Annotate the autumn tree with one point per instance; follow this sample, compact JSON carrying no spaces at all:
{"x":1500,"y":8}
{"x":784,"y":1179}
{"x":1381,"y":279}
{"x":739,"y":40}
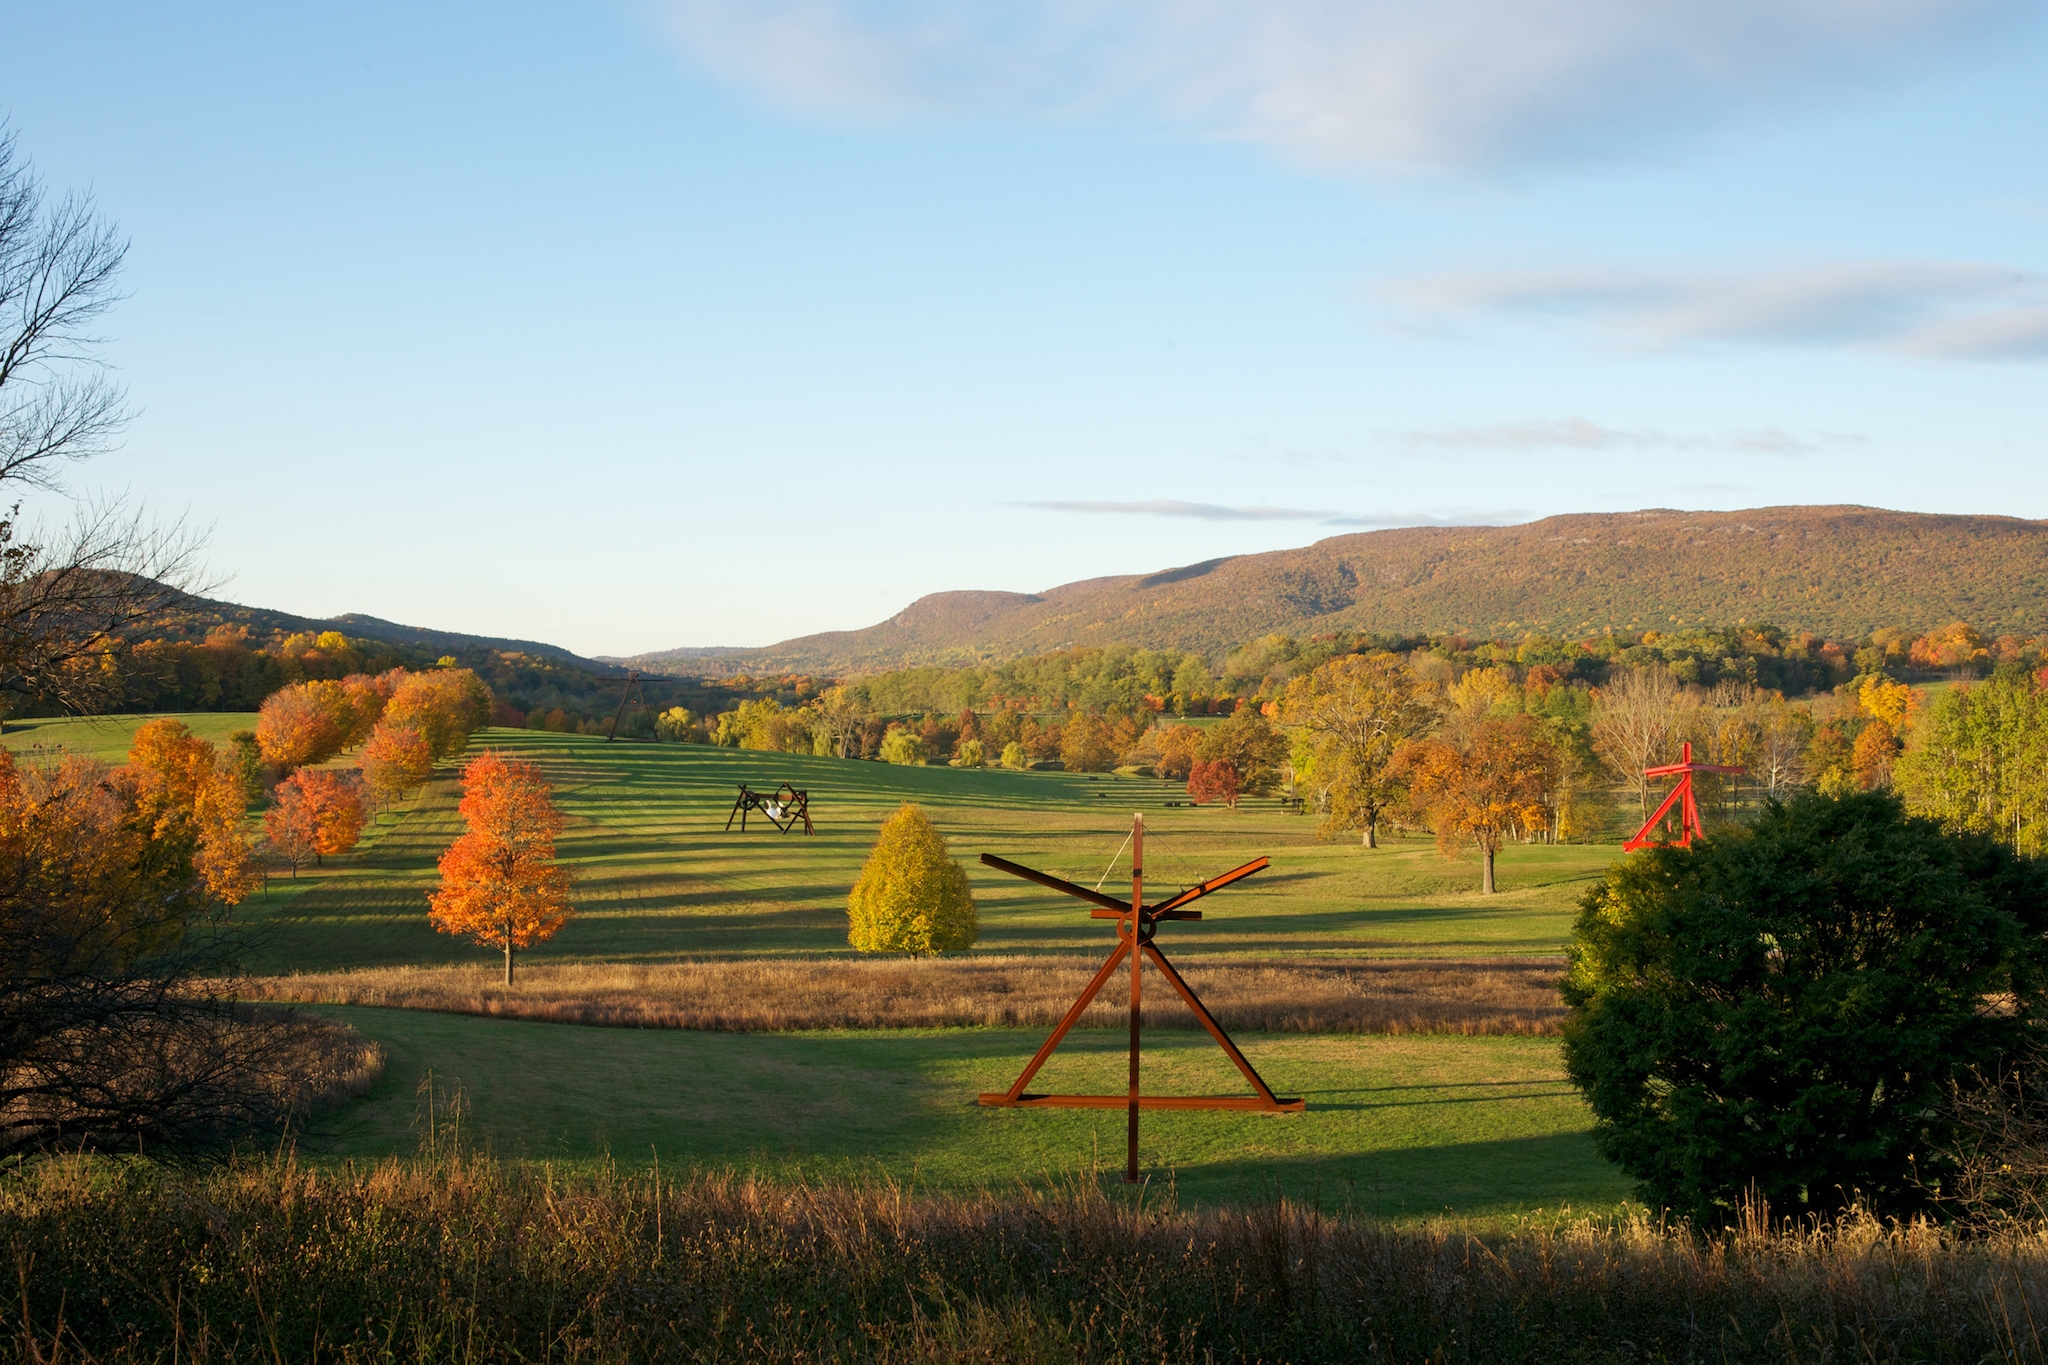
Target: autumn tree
{"x":304,"y":723}
{"x":194,"y":800}
{"x":1086,"y":745}
{"x":445,"y":706}
{"x":1178,"y":745}
{"x":500,"y":884}
{"x":1489,"y":791}
{"x":1213,"y":780}
{"x":1357,"y":710}
{"x":394,"y":761}
{"x":911,"y":897}
{"x":1249,"y":744}
{"x":316,"y":812}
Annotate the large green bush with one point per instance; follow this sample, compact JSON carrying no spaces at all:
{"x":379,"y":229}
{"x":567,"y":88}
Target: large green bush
{"x":911,"y":897}
{"x":1784,"y":1008}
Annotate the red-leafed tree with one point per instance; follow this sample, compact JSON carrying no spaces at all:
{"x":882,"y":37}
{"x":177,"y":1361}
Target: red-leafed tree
{"x":499,"y":881}
{"x":1213,"y":780}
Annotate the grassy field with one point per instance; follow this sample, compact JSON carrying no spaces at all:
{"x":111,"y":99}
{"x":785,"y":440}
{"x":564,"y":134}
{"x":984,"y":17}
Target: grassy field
{"x":659,"y":877}
{"x":107,"y":737}
{"x":1404,"y":1127}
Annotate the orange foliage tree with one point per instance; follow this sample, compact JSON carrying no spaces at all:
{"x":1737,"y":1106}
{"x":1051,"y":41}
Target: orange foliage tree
{"x":195,"y":797}
{"x":1489,"y":791}
{"x":445,"y":706}
{"x":316,"y":813}
{"x":395,"y":761}
{"x":305,"y":723}
{"x":499,"y":881}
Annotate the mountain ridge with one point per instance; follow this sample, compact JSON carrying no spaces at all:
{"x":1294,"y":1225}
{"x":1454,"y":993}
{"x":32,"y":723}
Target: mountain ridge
{"x":1838,"y":570}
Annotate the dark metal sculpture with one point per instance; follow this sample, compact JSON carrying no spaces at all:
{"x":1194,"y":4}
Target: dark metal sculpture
{"x":632,"y":690}
{"x":782,"y":808}
{"x":1136,"y":924}
{"x":1689,"y":827}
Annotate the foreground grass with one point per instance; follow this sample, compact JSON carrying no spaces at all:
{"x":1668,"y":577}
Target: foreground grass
{"x":1401,"y":1127}
{"x":660,"y":878}
{"x":449,"y":1257}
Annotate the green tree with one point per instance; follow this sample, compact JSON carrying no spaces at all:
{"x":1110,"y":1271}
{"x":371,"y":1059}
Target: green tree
{"x":911,"y":897}
{"x":1979,"y":761}
{"x":1783,"y":1007}
{"x":903,"y":746}
{"x":1014,"y":755}
{"x":1356,"y":711}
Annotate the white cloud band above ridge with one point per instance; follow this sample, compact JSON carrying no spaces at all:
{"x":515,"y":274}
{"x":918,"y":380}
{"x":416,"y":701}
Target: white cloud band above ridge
{"x":1385,"y":82}
{"x":1947,"y":310}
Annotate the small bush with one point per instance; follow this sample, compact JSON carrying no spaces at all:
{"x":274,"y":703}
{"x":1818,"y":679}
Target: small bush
{"x":911,"y":897}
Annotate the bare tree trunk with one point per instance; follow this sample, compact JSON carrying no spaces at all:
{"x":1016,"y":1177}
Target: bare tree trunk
{"x":1371,"y":834}
{"x":1486,"y":869}
{"x":508,"y":952}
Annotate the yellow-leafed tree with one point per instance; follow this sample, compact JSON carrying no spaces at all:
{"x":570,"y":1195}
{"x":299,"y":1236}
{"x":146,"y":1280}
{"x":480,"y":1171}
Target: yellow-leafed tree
{"x":499,"y":881}
{"x":911,"y":897}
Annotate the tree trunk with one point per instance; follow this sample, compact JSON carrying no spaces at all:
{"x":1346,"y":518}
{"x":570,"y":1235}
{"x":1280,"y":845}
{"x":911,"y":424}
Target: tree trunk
{"x":1371,"y":839}
{"x":1486,"y":870}
{"x":508,"y":930}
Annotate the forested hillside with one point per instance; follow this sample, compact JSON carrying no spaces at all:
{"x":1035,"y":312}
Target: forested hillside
{"x":1835,"y":571}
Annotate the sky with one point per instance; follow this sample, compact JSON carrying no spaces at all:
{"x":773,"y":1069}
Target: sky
{"x":627,"y":326}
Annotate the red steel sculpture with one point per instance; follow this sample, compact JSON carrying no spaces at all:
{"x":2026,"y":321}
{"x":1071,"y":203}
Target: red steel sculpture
{"x":1689,"y":826}
{"x":1136,"y":924}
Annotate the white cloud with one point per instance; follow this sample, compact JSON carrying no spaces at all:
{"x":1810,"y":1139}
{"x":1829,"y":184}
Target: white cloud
{"x":1952,"y":310}
{"x":1391,"y":82}
{"x":1200,"y":511}
{"x":1577,"y":433}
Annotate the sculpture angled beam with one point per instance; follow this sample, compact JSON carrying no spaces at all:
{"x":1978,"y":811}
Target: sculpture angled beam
{"x":1689,"y":826}
{"x":1136,"y":924}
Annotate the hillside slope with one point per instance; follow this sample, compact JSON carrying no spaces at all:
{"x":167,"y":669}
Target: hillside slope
{"x":1840,"y":571}
{"x":195,"y":617}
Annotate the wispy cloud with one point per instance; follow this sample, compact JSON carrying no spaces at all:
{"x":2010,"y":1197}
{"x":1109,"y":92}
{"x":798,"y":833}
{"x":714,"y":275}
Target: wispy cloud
{"x":1209,"y":511}
{"x":1949,"y":310}
{"x":1392,"y":82}
{"x":1199,"y":511}
{"x":1577,"y":433}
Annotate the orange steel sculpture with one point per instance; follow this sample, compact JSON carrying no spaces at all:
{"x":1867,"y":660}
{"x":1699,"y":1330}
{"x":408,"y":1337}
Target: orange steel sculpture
{"x":1136,"y":924}
{"x":1689,"y":826}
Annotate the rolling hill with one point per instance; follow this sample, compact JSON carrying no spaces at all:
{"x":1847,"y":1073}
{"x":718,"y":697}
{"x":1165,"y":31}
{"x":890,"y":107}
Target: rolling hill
{"x":1838,"y":571}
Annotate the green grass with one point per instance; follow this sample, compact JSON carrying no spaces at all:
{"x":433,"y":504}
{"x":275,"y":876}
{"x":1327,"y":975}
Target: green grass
{"x":659,"y":877}
{"x":107,"y":737}
{"x":1404,"y":1127}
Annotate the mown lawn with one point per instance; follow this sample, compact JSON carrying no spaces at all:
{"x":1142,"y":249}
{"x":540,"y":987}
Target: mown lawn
{"x":660,"y":877}
{"x":1405,"y":1127}
{"x":107,"y":737}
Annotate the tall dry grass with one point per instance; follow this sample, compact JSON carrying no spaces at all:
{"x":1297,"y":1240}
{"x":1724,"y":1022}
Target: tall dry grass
{"x":447,"y":1257}
{"x":755,"y":995}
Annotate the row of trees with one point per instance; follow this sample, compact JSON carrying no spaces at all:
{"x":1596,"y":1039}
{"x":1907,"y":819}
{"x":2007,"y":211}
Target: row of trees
{"x":402,"y":723}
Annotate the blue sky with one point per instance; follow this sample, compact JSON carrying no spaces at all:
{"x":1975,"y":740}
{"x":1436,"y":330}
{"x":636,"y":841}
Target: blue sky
{"x":720,"y":321}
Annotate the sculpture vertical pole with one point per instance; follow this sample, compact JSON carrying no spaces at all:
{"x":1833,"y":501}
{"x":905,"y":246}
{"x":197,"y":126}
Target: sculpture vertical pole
{"x":1137,"y":911}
